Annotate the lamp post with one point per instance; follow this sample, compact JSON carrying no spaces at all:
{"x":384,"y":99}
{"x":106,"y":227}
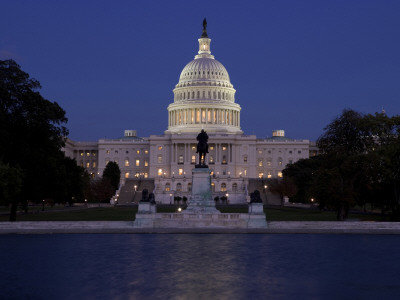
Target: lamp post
{"x":43,"y":204}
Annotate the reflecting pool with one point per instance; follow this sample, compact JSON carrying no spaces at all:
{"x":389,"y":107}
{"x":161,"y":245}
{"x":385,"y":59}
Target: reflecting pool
{"x":199,"y":266}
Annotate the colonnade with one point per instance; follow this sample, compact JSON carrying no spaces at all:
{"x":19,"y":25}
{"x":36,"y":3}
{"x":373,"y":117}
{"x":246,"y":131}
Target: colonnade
{"x":204,"y":116}
{"x":221,"y":152}
{"x":215,"y":95}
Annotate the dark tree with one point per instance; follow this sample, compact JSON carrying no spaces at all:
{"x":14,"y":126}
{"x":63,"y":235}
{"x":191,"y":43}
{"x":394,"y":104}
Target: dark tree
{"x":113,"y":174}
{"x":31,"y":133}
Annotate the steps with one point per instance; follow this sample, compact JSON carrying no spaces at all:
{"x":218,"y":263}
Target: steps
{"x":128,"y":194}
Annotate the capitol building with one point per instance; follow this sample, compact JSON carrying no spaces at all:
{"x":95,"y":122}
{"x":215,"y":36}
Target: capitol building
{"x":204,"y":98}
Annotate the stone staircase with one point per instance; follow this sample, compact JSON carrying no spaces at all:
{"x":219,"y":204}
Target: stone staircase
{"x":128,"y":194}
{"x":266,"y":197}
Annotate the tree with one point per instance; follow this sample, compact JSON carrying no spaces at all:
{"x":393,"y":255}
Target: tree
{"x":113,"y":174}
{"x":34,"y":130}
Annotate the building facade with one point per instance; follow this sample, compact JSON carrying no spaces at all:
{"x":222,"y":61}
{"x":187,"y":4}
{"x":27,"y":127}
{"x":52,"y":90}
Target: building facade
{"x":204,"y":98}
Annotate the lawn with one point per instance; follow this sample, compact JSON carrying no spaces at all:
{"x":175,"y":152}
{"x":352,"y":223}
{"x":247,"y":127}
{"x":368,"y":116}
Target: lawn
{"x":119,"y":213}
{"x":127,"y":213}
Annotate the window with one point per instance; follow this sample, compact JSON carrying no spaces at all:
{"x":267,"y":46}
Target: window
{"x":211,"y":147}
{"x":81,"y":164}
{"x":260,"y":151}
{"x":116,"y":151}
{"x":269,"y":162}
{"x":87,"y":165}
{"x":224,"y":159}
{"x":279,"y":174}
{"x":81,"y":153}
{"x":245,"y":158}
{"x":269,"y":175}
{"x":167,"y":187}
{"x":180,"y":171}
{"x":94,"y":164}
{"x":260,"y":163}
{"x":137,"y":174}
{"x":159,"y":147}
{"x":189,"y":187}
{"x":260,"y":175}
{"x":223,"y":187}
{"x":108,"y":151}
{"x":126,"y":152}
{"x":213,"y":186}
{"x":223,"y":148}
{"x":94,"y":154}
{"x":146,"y":163}
{"x":146,"y":151}
{"x":159,"y":158}
{"x":211,"y":159}
{"x":290,"y":161}
{"x":193,"y":159}
{"x":290,"y":152}
{"x":279,"y":161}
{"x":299,"y":152}
{"x":126,"y":162}
{"x":234,"y":187}
{"x":193,"y":148}
{"x":126,"y":174}
{"x":179,"y":187}
{"x":180,"y":160}
{"x":137,"y":151}
{"x":87,"y":153}
{"x":137,"y":162}
{"x":159,"y":172}
{"x":146,"y":175}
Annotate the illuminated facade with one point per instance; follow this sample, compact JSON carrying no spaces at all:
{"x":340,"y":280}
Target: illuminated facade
{"x":204,"y":98}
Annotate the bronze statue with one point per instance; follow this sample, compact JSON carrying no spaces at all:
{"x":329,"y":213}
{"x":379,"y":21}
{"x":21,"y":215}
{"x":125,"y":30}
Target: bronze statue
{"x":204,"y":35}
{"x":202,"y":148}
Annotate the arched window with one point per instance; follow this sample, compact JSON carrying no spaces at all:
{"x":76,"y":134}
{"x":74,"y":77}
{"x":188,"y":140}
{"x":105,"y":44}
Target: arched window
{"x":159,"y":159}
{"x":223,"y":187}
{"x":193,"y":159}
{"x":179,"y":187}
{"x":167,"y":187}
{"x":189,"y":187}
{"x":234,"y":187}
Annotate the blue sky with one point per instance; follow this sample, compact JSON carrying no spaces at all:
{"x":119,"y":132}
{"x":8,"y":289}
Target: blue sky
{"x":296,"y":65}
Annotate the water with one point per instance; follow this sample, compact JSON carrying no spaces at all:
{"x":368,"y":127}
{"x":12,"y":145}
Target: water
{"x":199,"y":266}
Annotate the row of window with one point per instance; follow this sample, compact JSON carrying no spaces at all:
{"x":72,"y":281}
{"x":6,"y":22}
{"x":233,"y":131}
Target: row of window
{"x":269,"y":174}
{"x":127,"y":152}
{"x":178,"y":188}
{"x":137,"y":175}
{"x":87,"y":165}
{"x":87,"y":153}
{"x":269,"y":151}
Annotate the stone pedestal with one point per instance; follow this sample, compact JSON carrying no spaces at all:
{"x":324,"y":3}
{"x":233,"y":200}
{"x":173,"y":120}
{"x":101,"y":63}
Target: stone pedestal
{"x":256,"y":216}
{"x":145,"y":215}
{"x":201,"y":200}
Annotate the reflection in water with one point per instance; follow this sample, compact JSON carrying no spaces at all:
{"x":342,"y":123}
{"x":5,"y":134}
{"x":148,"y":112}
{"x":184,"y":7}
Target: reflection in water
{"x":199,"y":266}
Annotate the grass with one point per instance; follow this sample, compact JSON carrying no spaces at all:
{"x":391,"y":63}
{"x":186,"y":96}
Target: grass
{"x":127,"y":213}
{"x":121,"y":213}
{"x":300,"y":214}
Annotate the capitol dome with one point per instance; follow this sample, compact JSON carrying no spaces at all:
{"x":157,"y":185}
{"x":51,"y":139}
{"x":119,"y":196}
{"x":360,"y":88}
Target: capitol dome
{"x":204,"y":97}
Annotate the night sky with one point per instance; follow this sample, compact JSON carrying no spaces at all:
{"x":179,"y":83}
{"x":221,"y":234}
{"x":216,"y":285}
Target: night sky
{"x":295,"y":65}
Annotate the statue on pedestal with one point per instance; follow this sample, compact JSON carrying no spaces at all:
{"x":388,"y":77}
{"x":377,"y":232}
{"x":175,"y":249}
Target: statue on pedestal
{"x":202,"y":149}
